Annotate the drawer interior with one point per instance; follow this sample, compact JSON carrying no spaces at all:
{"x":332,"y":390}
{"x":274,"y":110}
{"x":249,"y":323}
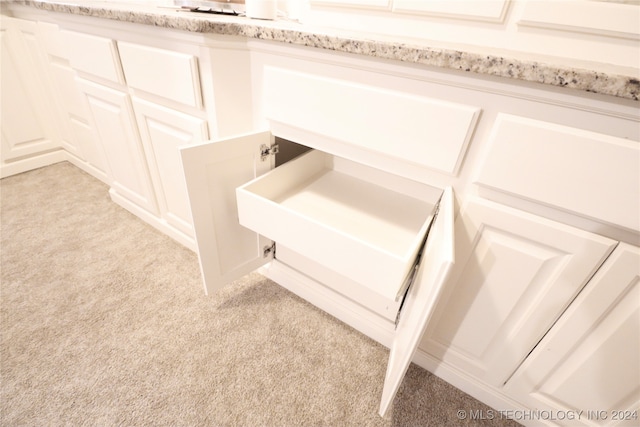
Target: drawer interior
{"x":359,"y":221}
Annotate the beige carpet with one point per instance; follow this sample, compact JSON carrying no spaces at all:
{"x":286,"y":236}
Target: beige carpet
{"x":104,"y":322}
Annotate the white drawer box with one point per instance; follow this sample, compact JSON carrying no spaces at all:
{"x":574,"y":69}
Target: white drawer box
{"x":364,"y":224}
{"x":93,"y":55}
{"x":171,"y":75}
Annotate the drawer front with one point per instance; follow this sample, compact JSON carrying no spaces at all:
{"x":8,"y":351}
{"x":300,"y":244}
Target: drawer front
{"x":52,"y":40}
{"x":93,"y":55}
{"x":168,"y":74}
{"x":342,"y":216}
{"x":362,"y":295}
{"x":427,"y":132}
{"x":587,"y":173}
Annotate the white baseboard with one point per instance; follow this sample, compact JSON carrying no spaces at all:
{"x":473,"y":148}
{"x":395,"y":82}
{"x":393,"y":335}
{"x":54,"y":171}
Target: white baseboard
{"x":462,"y":381}
{"x":153,"y":220}
{"x":15,"y":167}
{"x":88,"y":168}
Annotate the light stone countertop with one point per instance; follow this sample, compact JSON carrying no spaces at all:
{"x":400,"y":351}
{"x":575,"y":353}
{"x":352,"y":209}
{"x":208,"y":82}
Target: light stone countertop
{"x":595,"y":77}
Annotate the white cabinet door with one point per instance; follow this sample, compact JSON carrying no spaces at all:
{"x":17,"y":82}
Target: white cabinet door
{"x":436,"y":260}
{"x":213,"y":171}
{"x":115,"y":124}
{"x":590,"y":360}
{"x":163,"y":132}
{"x":77,"y":136}
{"x":27,"y":129}
{"x":515,"y":274}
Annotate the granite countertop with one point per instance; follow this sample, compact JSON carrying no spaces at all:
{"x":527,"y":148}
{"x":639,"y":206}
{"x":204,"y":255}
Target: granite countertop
{"x":596,"y":78}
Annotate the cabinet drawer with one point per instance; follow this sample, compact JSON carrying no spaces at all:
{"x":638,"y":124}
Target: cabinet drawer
{"x":418,"y":130}
{"x":165,"y":73}
{"x":362,"y":223}
{"x":93,"y":55}
{"x":587,"y":173}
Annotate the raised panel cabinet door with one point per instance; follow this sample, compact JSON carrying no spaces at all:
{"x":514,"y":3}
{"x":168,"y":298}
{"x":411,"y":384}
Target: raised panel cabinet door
{"x":589,"y":362}
{"x":515,"y":274}
{"x":163,"y":132}
{"x":26,"y":129}
{"x":433,"y":270}
{"x":115,"y":125}
{"x":89,"y":145}
{"x":213,"y":171}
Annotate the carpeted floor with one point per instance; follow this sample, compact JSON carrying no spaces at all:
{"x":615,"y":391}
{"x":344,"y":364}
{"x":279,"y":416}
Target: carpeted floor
{"x":104,"y":322}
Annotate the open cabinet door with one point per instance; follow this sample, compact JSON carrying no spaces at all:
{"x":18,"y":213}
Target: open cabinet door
{"x":226,"y":250}
{"x":436,"y":261}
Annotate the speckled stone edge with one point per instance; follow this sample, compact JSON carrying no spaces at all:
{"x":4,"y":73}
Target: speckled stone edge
{"x":617,"y":85}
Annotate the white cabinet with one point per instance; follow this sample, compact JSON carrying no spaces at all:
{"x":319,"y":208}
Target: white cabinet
{"x":344,"y":215}
{"x":114,"y":122}
{"x":101,"y":82}
{"x":29,"y":136}
{"x":163,"y":132}
{"x":589,"y":360}
{"x":140,"y":117}
{"x":78,"y":138}
{"x":515,"y":274}
{"x":168,"y":110}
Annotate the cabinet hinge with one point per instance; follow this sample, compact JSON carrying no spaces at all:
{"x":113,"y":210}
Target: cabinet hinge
{"x":269,"y":250}
{"x":266,"y":151}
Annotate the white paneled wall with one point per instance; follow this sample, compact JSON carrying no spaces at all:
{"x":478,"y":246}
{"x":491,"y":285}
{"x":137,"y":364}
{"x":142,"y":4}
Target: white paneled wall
{"x":607,"y":32}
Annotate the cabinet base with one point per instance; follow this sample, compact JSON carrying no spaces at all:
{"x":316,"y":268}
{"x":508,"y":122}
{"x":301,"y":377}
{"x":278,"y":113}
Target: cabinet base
{"x":30,"y":163}
{"x":381,"y":330}
{"x":154,"y":221}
